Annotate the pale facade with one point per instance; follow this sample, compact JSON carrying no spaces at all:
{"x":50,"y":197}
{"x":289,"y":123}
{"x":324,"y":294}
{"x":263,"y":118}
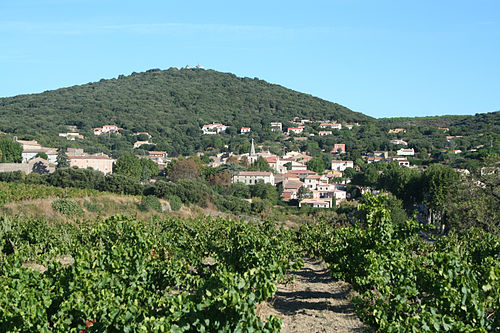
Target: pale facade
{"x":100,"y":162}
{"x":342,"y":165}
{"x":253,"y":177}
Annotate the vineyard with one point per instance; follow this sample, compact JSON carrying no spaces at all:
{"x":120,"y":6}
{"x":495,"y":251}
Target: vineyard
{"x":170,"y":274}
{"x":406,"y":283}
{"x":12,"y":192}
{"x":123,"y":275}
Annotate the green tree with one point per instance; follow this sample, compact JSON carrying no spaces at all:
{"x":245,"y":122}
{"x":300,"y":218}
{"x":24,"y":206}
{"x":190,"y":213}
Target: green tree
{"x":42,"y":155}
{"x":316,"y":164}
{"x":148,"y":168}
{"x":183,"y":169}
{"x":62,"y":159}
{"x":261,"y":165}
{"x":129,"y":165}
{"x":438,"y":180}
{"x":11,"y":151}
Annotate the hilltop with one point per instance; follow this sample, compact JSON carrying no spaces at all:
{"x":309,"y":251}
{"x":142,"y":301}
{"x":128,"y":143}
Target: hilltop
{"x":172,"y":105}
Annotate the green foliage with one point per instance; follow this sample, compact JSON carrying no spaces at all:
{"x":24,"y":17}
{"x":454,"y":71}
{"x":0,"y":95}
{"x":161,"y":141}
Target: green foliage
{"x":184,"y":169}
{"x":171,"y":105}
{"x":316,"y":164}
{"x":129,"y":166}
{"x":67,"y":207}
{"x":407,"y":284}
{"x":11,"y":151}
{"x":175,"y":202}
{"x":62,"y":159}
{"x":42,"y":155}
{"x":150,"y":202}
{"x":123,"y":275}
{"x":260,"y":165}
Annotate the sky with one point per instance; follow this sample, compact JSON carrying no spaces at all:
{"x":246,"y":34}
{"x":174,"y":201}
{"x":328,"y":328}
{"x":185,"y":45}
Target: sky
{"x":382,"y":58}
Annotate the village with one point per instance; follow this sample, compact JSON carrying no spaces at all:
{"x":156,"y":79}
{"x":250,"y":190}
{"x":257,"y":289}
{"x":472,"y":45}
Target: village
{"x":290,"y":171}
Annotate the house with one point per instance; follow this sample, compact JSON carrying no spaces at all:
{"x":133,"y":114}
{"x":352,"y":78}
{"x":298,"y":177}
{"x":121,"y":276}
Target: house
{"x":106,"y":129}
{"x":332,"y":125}
{"x":406,"y":152}
{"x":154,"y":153}
{"x":380,"y":153}
{"x":276,"y":127}
{"x":29,"y":154}
{"x":138,"y":144}
{"x":214,"y":128}
{"x":28,"y":144}
{"x":316,"y":203}
{"x":338,"y":148}
{"x":373,"y":159}
{"x":349,"y":126}
{"x":100,"y":162}
{"x":244,"y":130}
{"x":253,"y":177}
{"x":397,"y":130}
{"x":311,"y":181}
{"x":402,"y":161}
{"x":71,"y":136}
{"x":295,"y":130}
{"x":334,"y":174}
{"x":342,"y":165}
{"x":143,"y":133}
{"x":399,"y":142}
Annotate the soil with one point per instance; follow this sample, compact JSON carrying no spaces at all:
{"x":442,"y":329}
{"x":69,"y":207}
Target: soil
{"x":314,"y":302}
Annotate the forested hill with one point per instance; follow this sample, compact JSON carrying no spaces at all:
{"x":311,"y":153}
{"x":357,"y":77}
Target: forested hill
{"x":171,"y":104}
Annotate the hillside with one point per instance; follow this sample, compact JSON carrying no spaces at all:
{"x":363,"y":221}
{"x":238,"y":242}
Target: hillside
{"x":172,"y":105}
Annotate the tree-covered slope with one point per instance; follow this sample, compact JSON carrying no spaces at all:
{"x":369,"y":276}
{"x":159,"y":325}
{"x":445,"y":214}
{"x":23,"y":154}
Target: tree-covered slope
{"x":170,"y":104}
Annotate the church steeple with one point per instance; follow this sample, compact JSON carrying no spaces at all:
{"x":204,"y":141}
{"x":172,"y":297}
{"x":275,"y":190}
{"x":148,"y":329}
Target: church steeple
{"x":252,"y":149}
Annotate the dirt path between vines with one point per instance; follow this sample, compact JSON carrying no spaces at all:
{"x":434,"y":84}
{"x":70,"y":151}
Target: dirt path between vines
{"x":315,"y":302}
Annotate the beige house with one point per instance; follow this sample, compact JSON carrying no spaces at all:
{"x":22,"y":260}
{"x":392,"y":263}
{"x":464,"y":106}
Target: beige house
{"x":100,"y":162}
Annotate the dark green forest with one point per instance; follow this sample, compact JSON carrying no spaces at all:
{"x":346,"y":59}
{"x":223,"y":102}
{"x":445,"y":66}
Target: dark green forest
{"x":172,"y":105}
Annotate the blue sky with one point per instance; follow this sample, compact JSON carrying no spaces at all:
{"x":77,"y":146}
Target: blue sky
{"x":382,"y":58}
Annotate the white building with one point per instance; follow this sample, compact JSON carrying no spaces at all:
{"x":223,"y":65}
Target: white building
{"x":253,"y":177}
{"x":406,"y":152}
{"x":342,"y":165}
{"x":332,"y":125}
{"x":399,"y":142}
{"x":214,"y":128}
{"x":317,"y":203}
{"x":295,"y":130}
{"x":244,"y":130}
{"x":323,"y":133}
{"x":106,"y":129}
{"x":276,"y":127}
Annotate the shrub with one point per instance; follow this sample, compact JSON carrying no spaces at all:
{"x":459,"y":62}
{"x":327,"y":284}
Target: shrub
{"x":175,"y":202}
{"x":150,"y":201}
{"x":67,"y":207}
{"x":92,"y":206}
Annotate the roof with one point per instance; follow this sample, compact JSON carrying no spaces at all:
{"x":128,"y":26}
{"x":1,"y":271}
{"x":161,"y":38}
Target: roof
{"x":313,"y":177}
{"x":293,"y":184}
{"x":91,"y":157}
{"x":337,"y":162}
{"x":272,"y":159}
{"x":254,"y":173}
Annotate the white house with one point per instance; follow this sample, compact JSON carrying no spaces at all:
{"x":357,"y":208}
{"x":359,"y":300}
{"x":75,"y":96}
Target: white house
{"x":244,"y":130}
{"x":214,"y":128}
{"x":399,"y":142}
{"x":253,"y":177}
{"x":332,"y":125}
{"x":295,"y":130}
{"x":317,"y":203}
{"x":342,"y":165}
{"x":323,"y":133}
{"x":406,"y":152}
{"x":106,"y":129}
{"x":276,"y":127}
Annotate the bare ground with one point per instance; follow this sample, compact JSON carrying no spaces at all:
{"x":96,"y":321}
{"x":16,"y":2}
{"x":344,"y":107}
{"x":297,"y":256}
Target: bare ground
{"x":315,"y":302}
